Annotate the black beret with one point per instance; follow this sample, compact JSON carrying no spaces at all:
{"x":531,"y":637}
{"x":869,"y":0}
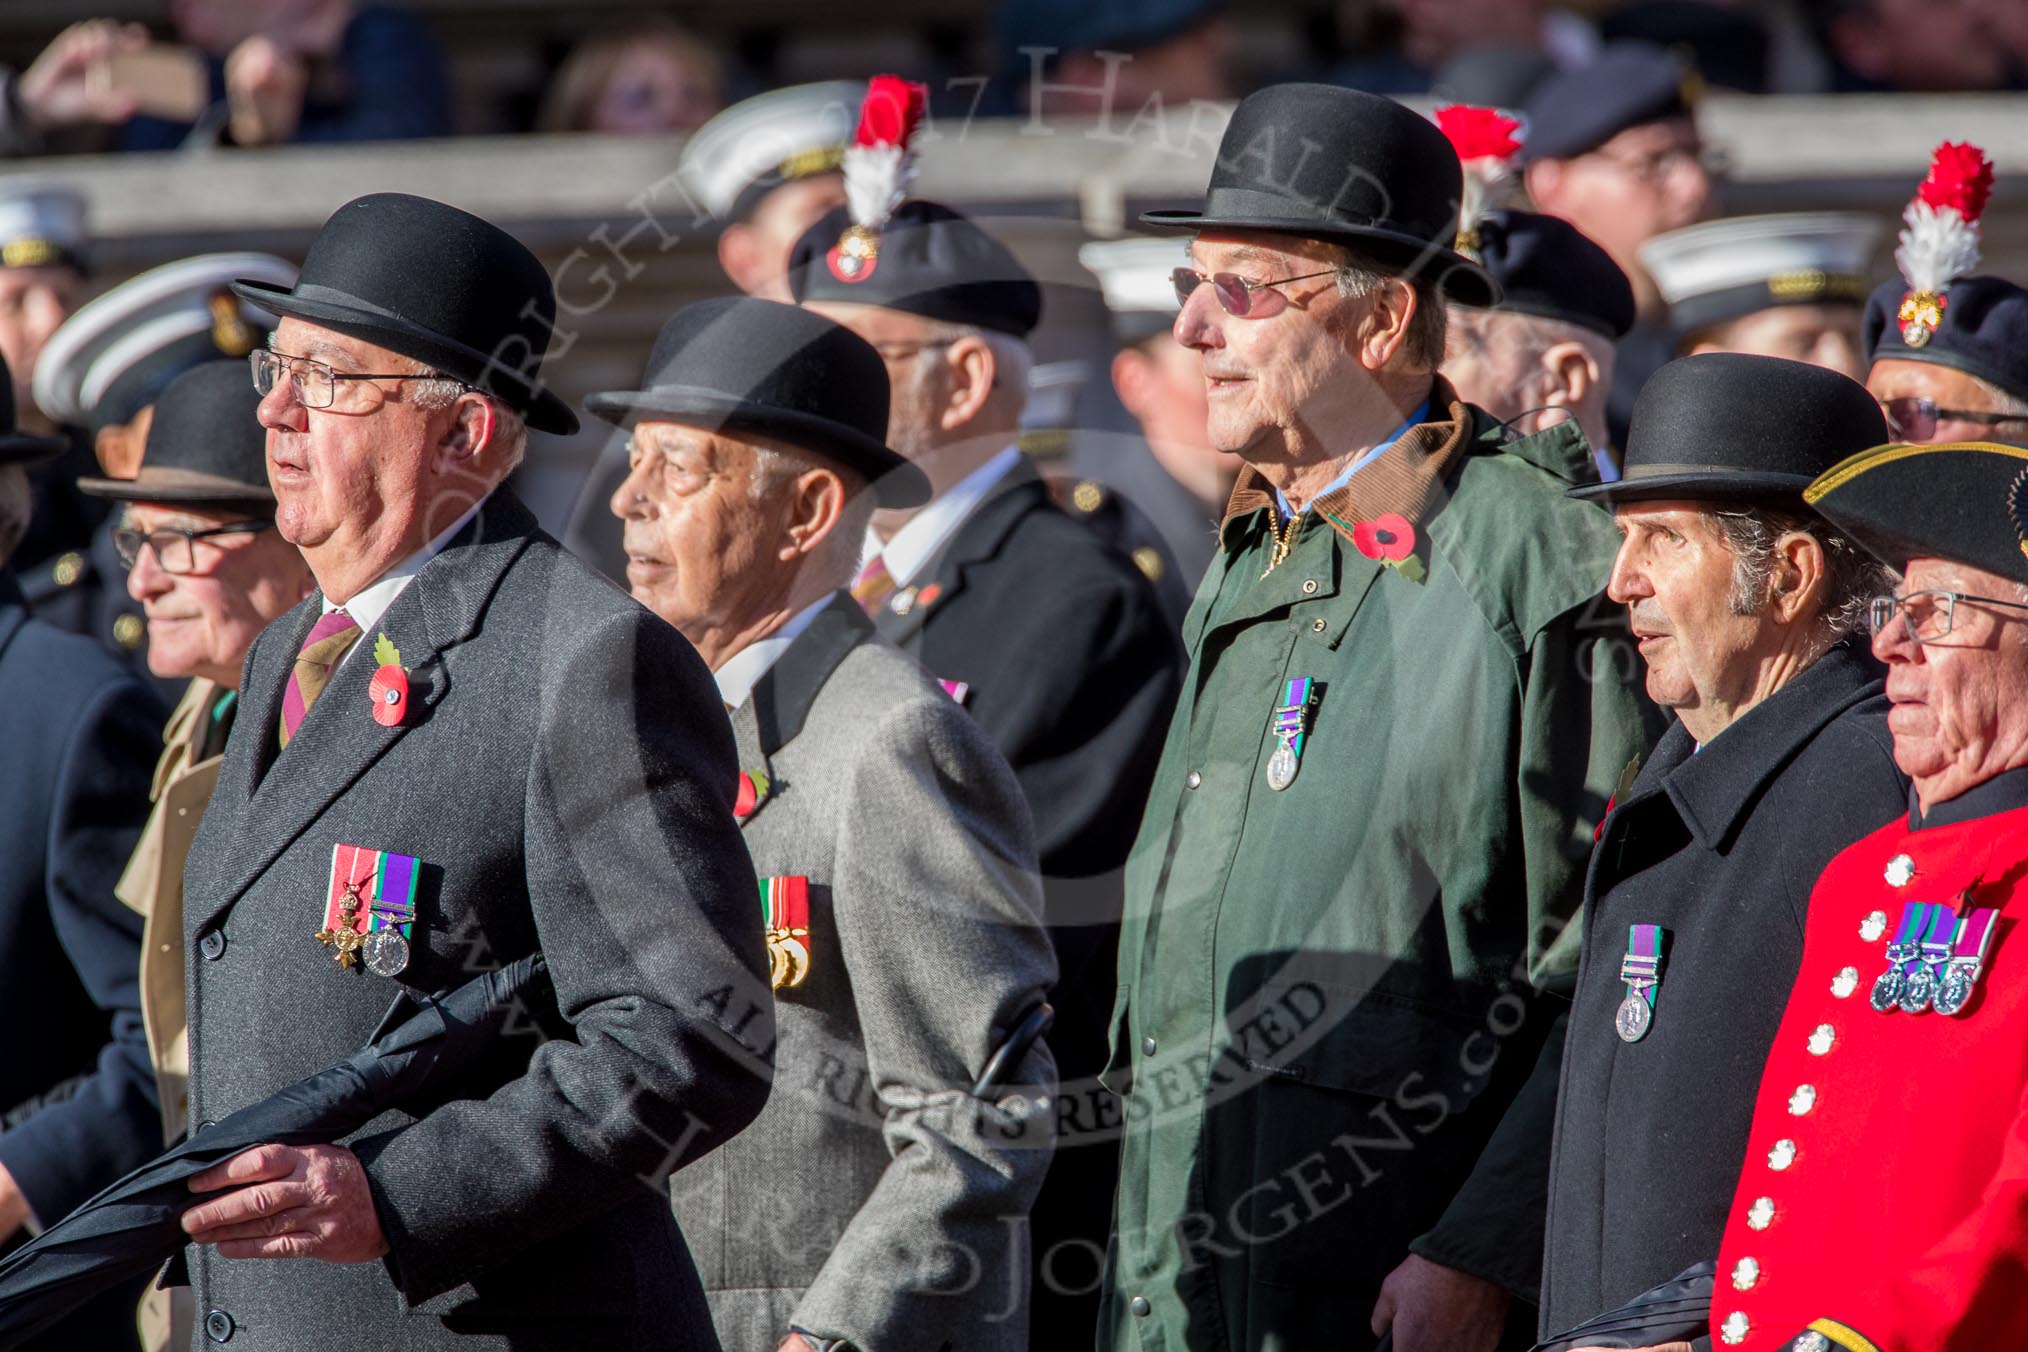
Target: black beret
{"x":1629,"y":85}
{"x":1549,"y":268}
{"x":1984,"y":332}
{"x":1730,"y":426}
{"x":931,"y":261}
{"x":1966,"y":501}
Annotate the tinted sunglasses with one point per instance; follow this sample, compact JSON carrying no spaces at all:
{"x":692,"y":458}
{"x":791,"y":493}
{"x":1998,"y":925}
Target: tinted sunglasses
{"x":1914,"y":417}
{"x":1239,"y":296}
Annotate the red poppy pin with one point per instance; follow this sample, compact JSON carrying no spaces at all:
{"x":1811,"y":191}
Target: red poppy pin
{"x":1390,"y":540}
{"x":389,"y":686}
{"x":753,"y":790}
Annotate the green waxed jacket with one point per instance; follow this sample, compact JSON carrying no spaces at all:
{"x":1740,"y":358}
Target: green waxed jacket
{"x":1328,"y":993}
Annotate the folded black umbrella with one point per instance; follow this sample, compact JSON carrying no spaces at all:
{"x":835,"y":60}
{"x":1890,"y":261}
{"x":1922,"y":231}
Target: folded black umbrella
{"x":427,"y":1049}
{"x":1679,"y":1310}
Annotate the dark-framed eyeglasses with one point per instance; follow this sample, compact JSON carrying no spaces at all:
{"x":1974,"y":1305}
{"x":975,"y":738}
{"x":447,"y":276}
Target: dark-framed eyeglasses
{"x":175,"y":549}
{"x":316,"y":383}
{"x":1929,"y":614}
{"x":1913,"y":417}
{"x":1240,"y":297}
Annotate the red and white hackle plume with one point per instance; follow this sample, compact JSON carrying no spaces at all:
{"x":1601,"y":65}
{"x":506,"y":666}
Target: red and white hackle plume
{"x":1940,"y":240}
{"x":1487,"y":142}
{"x":879,"y":166}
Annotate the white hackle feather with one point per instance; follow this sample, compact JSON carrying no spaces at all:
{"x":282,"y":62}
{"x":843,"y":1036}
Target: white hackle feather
{"x":1937,"y":247}
{"x":877,"y":179}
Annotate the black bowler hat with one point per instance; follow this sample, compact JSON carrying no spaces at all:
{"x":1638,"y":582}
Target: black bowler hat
{"x":1630,"y":85}
{"x":1353,"y":168}
{"x":206,"y":446}
{"x":434,"y":283}
{"x":1984,"y":330}
{"x":928,"y":260}
{"x":768,"y":369}
{"x":18,"y":447}
{"x":1549,"y":268}
{"x":1965,"y":500}
{"x":1729,"y":426}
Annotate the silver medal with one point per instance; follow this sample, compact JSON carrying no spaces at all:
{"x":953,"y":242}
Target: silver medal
{"x":1281,"y":767}
{"x":386,"y":953}
{"x":1955,"y":991}
{"x":1887,"y":989}
{"x":1634,"y":1018}
{"x":1919,"y":991}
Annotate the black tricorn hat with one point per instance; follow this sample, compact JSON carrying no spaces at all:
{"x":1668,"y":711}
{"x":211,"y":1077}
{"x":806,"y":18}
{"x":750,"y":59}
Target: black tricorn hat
{"x":761,"y":367}
{"x":929,"y":260}
{"x":434,"y":283}
{"x":1729,"y":426}
{"x":206,"y":446}
{"x":1960,"y":500}
{"x":18,"y":447}
{"x":1341,"y":165}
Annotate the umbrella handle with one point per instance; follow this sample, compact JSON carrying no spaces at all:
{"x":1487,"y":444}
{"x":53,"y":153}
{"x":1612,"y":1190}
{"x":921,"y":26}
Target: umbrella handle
{"x":1027,"y":1031}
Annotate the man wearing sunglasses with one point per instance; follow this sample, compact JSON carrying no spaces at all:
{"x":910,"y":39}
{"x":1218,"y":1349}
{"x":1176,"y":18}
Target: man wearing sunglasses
{"x":1406,"y":709}
{"x":205,"y":564}
{"x":1967,"y":380}
{"x":1881,"y":1203}
{"x":78,"y":732}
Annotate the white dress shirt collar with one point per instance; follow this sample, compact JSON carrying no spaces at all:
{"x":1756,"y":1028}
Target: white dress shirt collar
{"x":916,"y":543}
{"x":372,"y":602}
{"x":742,"y":671}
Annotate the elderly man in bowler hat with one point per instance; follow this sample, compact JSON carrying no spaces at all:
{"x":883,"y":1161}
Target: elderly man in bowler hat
{"x":875,"y":1202}
{"x":1747,"y":608}
{"x":1400,"y":727}
{"x":207,"y":566}
{"x":77,"y":1099}
{"x":462,"y":747}
{"x":1881,"y":1201}
{"x":1052,"y":638}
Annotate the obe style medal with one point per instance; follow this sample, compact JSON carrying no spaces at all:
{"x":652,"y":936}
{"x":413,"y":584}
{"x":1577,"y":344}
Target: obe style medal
{"x":369,"y":914}
{"x":1902,"y":951}
{"x":1641,"y":969}
{"x":785,"y":911}
{"x":1290,"y":726}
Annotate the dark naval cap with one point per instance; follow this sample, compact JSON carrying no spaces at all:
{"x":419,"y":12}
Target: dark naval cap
{"x":1357,"y":169}
{"x":1630,"y":85}
{"x":1730,"y":427}
{"x":929,"y":260}
{"x":1966,"y":501}
{"x":1549,"y":268}
{"x":760,"y":367}
{"x":1983,"y":331}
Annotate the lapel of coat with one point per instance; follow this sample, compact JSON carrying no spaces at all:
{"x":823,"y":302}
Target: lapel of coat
{"x":340,"y":739}
{"x":775,"y":712}
{"x":976,"y":539}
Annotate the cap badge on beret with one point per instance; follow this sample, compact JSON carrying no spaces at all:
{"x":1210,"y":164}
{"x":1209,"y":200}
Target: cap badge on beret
{"x":1487,"y":143}
{"x":1940,"y":237}
{"x":879,"y":165}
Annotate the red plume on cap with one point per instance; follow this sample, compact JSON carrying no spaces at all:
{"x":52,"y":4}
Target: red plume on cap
{"x":879,"y":165}
{"x":1487,"y":140}
{"x":1940,"y":236}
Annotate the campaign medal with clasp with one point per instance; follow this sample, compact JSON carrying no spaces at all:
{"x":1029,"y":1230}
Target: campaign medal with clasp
{"x":1926,"y":972}
{"x":1901,"y":953}
{"x":1290,"y":726}
{"x":1641,"y":969}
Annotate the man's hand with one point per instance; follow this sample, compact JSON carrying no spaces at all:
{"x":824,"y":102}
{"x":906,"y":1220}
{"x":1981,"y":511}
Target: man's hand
{"x":65,"y":86}
{"x":1432,"y":1308}
{"x":288,"y":1202}
{"x":14,"y":1211}
{"x":264,"y":89}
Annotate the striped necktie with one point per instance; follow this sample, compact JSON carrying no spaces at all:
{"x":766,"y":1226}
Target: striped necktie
{"x":330,"y":639}
{"x":872,"y":585}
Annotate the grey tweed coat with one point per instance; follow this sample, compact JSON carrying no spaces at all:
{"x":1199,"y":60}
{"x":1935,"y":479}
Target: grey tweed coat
{"x":565,"y":776}
{"x":875,"y":1199}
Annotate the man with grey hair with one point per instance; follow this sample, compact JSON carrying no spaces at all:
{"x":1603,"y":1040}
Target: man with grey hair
{"x":1054,"y":640}
{"x":462,"y":749}
{"x":878,"y":1201}
{"x":1749,"y":612}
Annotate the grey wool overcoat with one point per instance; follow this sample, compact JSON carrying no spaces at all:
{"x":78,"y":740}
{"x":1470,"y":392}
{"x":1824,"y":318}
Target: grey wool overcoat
{"x":875,"y":1199}
{"x":564,"y":774}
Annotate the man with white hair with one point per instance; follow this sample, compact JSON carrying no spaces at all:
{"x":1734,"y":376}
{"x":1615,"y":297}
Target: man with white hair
{"x":1054,"y":641}
{"x":463,"y":748}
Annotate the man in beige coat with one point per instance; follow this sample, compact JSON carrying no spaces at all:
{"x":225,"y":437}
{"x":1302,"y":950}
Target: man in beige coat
{"x":206,"y":565}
